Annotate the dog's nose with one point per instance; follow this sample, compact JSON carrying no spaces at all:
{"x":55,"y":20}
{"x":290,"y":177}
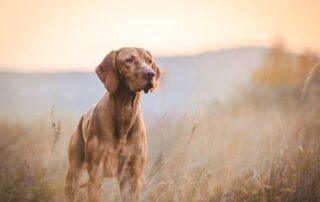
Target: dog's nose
{"x":149,"y":74}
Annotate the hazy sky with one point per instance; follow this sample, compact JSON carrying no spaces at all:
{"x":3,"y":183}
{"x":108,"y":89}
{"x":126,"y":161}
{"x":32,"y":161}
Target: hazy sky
{"x":64,"y":35}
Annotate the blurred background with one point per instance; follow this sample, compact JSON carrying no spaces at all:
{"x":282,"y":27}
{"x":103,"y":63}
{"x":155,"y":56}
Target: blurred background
{"x":235,"y":116}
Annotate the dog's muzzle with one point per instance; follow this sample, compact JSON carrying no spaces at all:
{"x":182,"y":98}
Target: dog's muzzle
{"x":148,"y":86}
{"x":148,"y":75}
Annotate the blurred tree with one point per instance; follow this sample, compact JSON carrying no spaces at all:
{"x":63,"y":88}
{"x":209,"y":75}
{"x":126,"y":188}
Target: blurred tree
{"x":281,"y":68}
{"x":306,"y":62}
{"x":276,"y":68}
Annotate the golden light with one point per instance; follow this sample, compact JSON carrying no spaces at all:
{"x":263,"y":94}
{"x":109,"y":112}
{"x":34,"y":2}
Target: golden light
{"x":74,"y":35}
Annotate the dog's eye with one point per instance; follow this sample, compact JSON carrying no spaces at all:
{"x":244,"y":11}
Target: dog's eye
{"x":129,"y":60}
{"x":149,"y":61}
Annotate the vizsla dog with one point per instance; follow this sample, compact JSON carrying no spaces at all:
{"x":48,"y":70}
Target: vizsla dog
{"x":110,"y":140}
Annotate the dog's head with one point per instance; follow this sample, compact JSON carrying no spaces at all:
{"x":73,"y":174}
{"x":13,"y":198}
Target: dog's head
{"x":134,"y":68}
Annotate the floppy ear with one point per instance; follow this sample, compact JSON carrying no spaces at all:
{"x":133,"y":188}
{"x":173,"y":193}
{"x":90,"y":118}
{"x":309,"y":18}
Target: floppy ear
{"x":157,"y":71}
{"x":107,"y":72}
{"x":155,"y":67}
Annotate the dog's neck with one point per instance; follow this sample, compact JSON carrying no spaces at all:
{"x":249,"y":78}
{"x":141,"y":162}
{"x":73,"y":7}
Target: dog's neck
{"x":125,"y":108}
{"x":124,"y":97}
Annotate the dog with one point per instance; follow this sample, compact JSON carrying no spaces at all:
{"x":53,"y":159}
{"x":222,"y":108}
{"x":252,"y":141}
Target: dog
{"x":110,"y":140}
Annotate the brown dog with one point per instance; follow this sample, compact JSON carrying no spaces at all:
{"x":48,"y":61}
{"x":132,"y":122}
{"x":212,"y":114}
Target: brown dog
{"x":110,"y":140}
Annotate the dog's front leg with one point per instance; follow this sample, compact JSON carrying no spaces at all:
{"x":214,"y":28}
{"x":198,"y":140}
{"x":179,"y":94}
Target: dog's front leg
{"x":130,"y":188}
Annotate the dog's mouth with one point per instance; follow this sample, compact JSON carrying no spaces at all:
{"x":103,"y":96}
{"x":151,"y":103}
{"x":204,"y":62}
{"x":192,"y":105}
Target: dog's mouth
{"x":148,"y":87}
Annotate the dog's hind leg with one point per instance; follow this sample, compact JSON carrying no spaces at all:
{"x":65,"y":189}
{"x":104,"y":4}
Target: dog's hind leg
{"x":76,"y":161}
{"x":71,"y":184}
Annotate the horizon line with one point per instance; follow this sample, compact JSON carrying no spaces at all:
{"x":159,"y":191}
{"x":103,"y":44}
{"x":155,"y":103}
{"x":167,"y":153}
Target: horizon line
{"x":16,"y":70}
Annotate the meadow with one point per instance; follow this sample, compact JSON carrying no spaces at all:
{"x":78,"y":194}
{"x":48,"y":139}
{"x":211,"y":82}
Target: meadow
{"x":260,"y":144}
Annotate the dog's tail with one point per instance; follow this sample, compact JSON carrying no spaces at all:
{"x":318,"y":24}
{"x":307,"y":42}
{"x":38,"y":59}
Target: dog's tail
{"x":82,"y":143}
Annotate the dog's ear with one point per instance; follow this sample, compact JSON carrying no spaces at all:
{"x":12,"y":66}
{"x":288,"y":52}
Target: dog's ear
{"x":157,"y":70}
{"x":107,"y":72}
{"x":155,"y":67}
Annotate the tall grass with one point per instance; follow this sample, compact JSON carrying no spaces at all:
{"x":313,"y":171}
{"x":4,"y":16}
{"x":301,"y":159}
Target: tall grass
{"x":22,"y":170}
{"x":244,"y":151}
{"x":262,"y":145}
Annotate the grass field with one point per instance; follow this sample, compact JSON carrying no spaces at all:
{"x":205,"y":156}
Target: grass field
{"x":261,"y":144}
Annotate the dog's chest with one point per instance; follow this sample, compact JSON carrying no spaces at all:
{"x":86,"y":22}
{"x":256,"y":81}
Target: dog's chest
{"x":119,"y":162}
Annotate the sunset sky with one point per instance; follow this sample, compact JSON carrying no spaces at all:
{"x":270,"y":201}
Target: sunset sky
{"x":74,"y":35}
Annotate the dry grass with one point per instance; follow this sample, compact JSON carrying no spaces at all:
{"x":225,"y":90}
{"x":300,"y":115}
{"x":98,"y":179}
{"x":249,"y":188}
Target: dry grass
{"x":264,"y":147}
{"x":22,"y":170}
{"x":243,"y":152}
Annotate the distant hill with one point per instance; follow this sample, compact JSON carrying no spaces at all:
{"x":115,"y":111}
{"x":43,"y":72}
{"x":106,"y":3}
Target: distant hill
{"x":186,"y":83}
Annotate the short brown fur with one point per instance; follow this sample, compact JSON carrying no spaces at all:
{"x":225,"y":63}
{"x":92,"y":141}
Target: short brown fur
{"x":110,"y":140}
